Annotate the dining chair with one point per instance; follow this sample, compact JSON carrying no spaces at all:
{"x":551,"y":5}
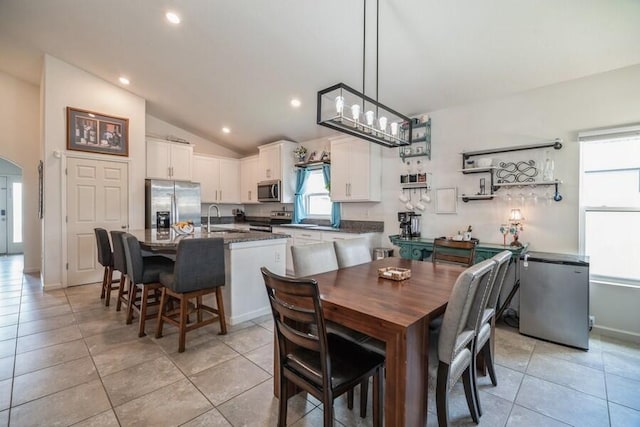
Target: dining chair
{"x":455,"y":341}
{"x":454,"y":251}
{"x":105,"y":258}
{"x":120,"y":264}
{"x":319,"y":258}
{"x":199,"y":270}
{"x":485,"y":347}
{"x":143,"y":273}
{"x":313,"y":259}
{"x":323,"y":364}
{"x":351,"y":252}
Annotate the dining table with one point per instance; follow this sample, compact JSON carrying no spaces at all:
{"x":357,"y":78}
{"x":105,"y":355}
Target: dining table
{"x":396,"y":312}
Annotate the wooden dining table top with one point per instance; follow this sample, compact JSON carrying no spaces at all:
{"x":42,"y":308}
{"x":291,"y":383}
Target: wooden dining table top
{"x":403,"y":303}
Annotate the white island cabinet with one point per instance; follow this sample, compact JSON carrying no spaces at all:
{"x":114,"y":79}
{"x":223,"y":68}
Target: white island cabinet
{"x":245,"y":297}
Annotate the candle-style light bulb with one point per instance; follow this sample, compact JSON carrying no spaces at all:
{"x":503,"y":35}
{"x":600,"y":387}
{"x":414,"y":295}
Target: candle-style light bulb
{"x":339,"y":104}
{"x":383,"y":123}
{"x":369,"y":116}
{"x":394,"y":129}
{"x":355,"y":111}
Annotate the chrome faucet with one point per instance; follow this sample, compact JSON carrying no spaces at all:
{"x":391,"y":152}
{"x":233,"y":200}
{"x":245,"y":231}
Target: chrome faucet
{"x":209,"y":215}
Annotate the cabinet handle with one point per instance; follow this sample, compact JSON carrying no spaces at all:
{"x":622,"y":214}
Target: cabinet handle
{"x":220,"y":195}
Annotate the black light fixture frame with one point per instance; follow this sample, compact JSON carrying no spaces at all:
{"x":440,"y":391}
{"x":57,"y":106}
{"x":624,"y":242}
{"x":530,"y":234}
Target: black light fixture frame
{"x":335,"y":123}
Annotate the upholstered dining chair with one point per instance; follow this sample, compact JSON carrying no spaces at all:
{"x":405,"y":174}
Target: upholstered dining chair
{"x":351,"y":252}
{"x":454,"y":251}
{"x":105,"y":258}
{"x":324,"y":365}
{"x":313,"y":259}
{"x":199,"y":270}
{"x":143,"y":273}
{"x":455,"y":351}
{"x":485,"y":341}
{"x":120,"y":264}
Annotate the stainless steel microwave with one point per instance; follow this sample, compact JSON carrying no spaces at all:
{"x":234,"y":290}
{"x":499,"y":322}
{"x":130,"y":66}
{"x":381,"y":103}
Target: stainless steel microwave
{"x":269,"y":191}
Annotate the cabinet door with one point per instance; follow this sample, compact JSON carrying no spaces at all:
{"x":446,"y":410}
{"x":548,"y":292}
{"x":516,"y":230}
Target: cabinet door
{"x":340,"y":170}
{"x":359,"y":169}
{"x":229,"y":188}
{"x":248,"y":181}
{"x":181,"y":157}
{"x":158,"y":159}
{"x":269,"y":163}
{"x":205,"y":171}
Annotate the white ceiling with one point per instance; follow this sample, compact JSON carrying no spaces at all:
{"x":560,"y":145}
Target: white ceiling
{"x":238,"y":63}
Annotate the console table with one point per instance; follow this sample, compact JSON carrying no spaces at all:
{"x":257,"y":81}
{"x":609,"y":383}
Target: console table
{"x":419,"y":248}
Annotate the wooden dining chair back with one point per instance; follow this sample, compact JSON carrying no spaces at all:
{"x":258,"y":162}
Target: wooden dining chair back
{"x":351,"y":252}
{"x":485,"y":340}
{"x":455,"y":341}
{"x":324,"y":365}
{"x":143,"y":274}
{"x":313,"y":259}
{"x":199,"y":270}
{"x":454,"y":251}
{"x":105,"y":258}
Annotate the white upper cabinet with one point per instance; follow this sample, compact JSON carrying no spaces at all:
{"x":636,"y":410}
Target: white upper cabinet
{"x":169,"y":160}
{"x":248,"y":179}
{"x":219,"y":179}
{"x":356,"y":174}
{"x":275,"y":162}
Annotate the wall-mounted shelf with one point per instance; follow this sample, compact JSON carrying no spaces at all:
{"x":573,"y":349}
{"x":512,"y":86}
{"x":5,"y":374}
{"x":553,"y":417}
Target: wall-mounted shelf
{"x":420,"y":141}
{"x":416,"y":186}
{"x":314,"y":164}
{"x":493,"y":187}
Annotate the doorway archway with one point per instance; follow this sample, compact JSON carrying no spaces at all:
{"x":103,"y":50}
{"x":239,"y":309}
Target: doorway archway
{"x":11,"y":208}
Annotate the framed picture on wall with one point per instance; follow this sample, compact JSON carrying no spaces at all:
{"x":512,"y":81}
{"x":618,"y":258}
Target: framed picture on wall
{"x":97,"y":133}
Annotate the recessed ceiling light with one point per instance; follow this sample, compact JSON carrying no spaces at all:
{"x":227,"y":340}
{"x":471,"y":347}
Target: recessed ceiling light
{"x":172,"y":17}
{"x":124,"y":80}
{"x":226,"y":130}
{"x":295,"y":102}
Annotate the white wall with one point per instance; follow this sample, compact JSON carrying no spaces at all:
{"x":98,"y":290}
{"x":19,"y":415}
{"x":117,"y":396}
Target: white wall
{"x":604,"y":100}
{"x":20,"y":144}
{"x":162,"y":129}
{"x":64,"y":85}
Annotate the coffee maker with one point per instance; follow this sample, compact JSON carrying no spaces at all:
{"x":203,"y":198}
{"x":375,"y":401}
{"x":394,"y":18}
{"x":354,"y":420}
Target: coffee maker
{"x":409,"y":224}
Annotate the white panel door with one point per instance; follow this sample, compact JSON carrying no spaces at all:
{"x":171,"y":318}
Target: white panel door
{"x":97,"y":195}
{"x":3,"y":215}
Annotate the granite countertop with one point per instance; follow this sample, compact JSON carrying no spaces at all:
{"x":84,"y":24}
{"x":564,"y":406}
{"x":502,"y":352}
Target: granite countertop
{"x":154,"y":239}
{"x":346,"y":226}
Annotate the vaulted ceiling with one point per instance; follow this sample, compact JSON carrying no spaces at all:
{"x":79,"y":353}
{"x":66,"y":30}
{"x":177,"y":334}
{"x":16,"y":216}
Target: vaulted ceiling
{"x":239,"y":63}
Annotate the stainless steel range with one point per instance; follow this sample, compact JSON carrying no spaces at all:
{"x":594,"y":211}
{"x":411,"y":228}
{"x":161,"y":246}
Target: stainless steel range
{"x":275,"y":218}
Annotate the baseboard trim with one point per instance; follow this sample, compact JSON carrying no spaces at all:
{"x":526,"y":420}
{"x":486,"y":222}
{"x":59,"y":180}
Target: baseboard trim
{"x":617,"y":333}
{"x":32,"y":270}
{"x":52,"y":286}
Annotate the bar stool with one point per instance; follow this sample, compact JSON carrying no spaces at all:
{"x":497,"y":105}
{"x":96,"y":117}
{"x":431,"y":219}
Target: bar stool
{"x":105,"y":258}
{"x":199,"y":270}
{"x":143,"y":273}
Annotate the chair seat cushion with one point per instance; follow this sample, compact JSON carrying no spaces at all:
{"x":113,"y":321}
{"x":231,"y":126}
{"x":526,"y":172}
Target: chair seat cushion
{"x":349,"y":361}
{"x":153,"y":266}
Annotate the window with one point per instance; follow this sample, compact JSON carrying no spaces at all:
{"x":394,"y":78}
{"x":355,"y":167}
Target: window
{"x":316,"y":196}
{"x":610,"y":206}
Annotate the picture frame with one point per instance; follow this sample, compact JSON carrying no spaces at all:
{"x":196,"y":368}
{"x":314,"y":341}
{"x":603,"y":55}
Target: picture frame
{"x":97,"y":133}
{"x":446,"y":200}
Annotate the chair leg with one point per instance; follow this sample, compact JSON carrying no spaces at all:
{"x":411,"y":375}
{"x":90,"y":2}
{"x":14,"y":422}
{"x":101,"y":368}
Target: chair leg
{"x":223,"y":320}
{"x":198,"y":310}
{"x":107,"y":288}
{"x":121,"y":290}
{"x":143,"y":310}
{"x":488,"y":361}
{"x":104,"y":282}
{"x":474,"y":378}
{"x":472,"y":402}
{"x":133,"y":294}
{"x":350,"y":399}
{"x":377,"y":399}
{"x":184,"y":305}
{"x":282,"y":404}
{"x":441,"y":395}
{"x":160,"y":321}
{"x":364,"y":394}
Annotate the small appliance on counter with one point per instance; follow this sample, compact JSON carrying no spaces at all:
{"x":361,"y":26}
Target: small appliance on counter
{"x":409,"y":224}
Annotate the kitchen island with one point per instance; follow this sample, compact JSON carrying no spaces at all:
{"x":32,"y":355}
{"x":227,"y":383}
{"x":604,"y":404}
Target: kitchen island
{"x":245,"y":252}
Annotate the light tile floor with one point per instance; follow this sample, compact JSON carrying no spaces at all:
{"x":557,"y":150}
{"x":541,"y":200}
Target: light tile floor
{"x":65,"y":359}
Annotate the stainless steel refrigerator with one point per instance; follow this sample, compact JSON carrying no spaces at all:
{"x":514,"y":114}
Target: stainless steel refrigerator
{"x":554,"y":298}
{"x":180,"y":198}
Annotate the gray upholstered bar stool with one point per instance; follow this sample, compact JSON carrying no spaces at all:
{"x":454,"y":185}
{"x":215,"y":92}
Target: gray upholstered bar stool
{"x":105,"y":258}
{"x":351,"y":252}
{"x":199,"y":270}
{"x":143,"y":274}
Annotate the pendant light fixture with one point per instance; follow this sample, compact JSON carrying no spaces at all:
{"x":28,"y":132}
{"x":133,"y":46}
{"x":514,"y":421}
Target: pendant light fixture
{"x":347,"y":110}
